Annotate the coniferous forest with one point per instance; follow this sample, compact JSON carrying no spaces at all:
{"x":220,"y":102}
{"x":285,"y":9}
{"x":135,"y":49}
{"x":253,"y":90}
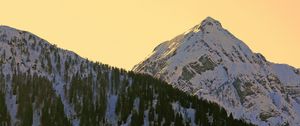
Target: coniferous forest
{"x":115,"y":97}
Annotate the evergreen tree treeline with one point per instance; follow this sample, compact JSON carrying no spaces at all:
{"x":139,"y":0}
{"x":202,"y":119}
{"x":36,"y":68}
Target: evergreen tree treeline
{"x":140,"y":99}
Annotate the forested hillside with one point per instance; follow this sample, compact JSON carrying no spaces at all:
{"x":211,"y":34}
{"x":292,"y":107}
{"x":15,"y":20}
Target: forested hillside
{"x":42,"y":85}
{"x":115,"y":97}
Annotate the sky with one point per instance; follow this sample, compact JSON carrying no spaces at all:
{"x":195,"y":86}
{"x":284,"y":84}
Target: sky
{"x":123,"y":32}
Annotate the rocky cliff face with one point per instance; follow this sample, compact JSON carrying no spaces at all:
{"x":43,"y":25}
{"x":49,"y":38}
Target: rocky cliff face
{"x":208,"y":61}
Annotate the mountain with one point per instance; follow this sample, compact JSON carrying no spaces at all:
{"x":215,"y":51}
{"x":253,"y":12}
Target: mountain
{"x":209,"y":62}
{"x":41,"y":84}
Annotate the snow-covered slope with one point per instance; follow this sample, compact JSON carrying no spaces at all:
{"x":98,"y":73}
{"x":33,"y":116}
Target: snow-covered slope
{"x":23,"y":52}
{"x":208,"y":61}
{"x":41,"y":84}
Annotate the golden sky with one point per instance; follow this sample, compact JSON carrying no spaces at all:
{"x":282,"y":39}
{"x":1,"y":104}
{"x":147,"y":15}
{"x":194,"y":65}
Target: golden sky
{"x":123,"y":32}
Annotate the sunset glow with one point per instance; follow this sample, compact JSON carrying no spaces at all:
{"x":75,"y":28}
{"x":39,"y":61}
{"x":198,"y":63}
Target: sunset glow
{"x":122,"y":33}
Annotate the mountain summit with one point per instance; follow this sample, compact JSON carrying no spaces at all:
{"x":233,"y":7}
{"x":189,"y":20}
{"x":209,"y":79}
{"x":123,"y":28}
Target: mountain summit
{"x":211,"y":63}
{"x":209,"y":24}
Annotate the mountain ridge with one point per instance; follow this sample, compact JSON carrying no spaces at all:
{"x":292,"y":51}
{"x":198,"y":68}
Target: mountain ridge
{"x":210,"y":62}
{"x":41,"y":84}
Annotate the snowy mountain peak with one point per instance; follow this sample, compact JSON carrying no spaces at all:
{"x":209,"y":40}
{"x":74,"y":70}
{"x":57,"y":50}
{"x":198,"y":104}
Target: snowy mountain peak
{"x":210,"y":62}
{"x":14,"y":36}
{"x":4,"y":28}
{"x":7,"y":31}
{"x":209,"y":24}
